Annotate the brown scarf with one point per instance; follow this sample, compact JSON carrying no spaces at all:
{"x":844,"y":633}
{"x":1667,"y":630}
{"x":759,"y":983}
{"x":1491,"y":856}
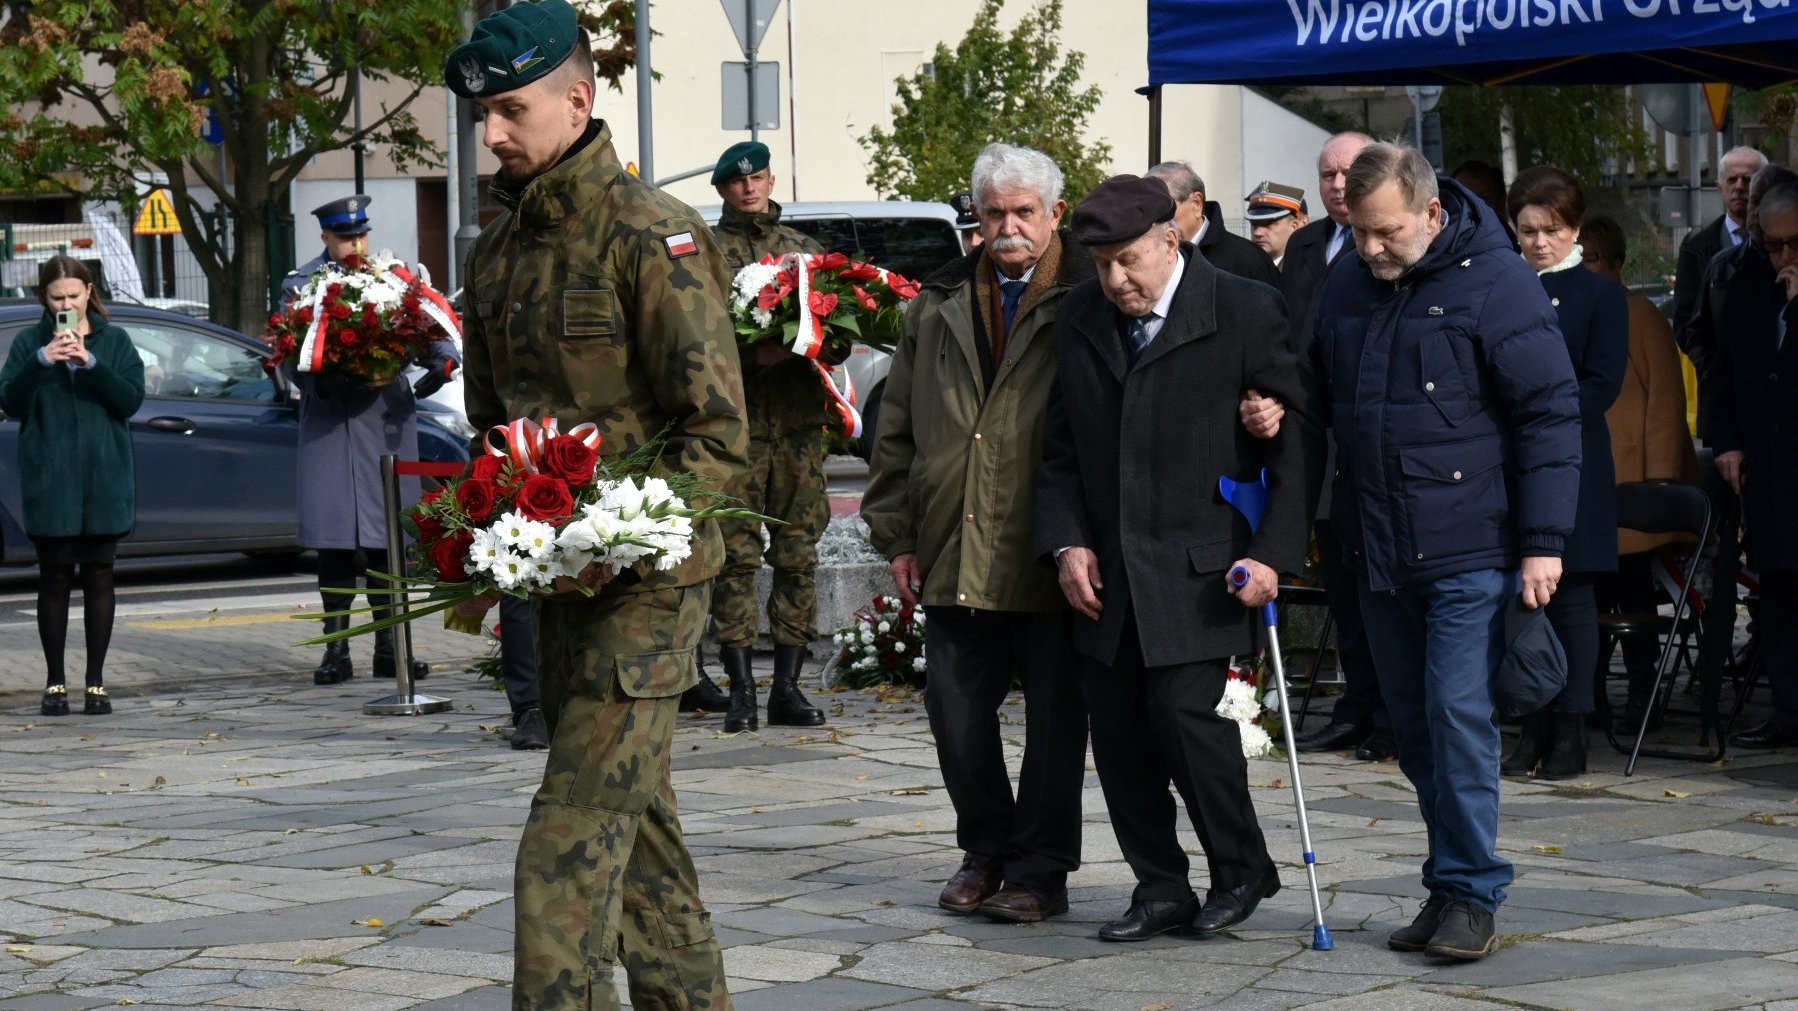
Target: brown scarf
{"x":1048,"y":267}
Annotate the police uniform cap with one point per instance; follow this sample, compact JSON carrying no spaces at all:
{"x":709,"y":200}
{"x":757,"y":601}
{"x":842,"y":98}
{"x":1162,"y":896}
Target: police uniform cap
{"x":512,"y":47}
{"x":746,"y":157}
{"x":1271,"y":201}
{"x":965,"y":218}
{"x":1121,"y":209}
{"x":345,"y":217}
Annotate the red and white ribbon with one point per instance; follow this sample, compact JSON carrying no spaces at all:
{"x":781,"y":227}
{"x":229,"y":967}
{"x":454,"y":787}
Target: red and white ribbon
{"x":841,"y":401}
{"x":808,"y":342}
{"x":522,"y":441}
{"x":312,"y":349}
{"x":435,"y":305}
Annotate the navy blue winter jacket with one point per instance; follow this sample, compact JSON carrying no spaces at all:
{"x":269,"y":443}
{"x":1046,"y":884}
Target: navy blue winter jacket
{"x":1454,"y":405}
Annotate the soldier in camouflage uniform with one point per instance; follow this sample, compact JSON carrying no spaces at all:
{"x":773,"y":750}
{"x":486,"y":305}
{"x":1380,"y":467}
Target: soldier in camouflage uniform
{"x":786,"y":407}
{"x":595,"y":297}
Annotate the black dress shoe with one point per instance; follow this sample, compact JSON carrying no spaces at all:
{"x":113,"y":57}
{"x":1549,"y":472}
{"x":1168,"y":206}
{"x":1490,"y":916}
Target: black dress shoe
{"x":1150,"y":918}
{"x":1334,"y":737}
{"x":1224,"y":910}
{"x":1767,"y":735}
{"x":56,"y":701}
{"x":1380,"y":746}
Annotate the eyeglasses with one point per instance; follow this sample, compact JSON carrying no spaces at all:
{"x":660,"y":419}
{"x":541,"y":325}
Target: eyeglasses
{"x":1775,"y":246}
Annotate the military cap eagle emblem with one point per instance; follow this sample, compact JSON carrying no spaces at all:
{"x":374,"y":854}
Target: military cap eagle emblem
{"x":473,"y":77}
{"x":744,"y":166}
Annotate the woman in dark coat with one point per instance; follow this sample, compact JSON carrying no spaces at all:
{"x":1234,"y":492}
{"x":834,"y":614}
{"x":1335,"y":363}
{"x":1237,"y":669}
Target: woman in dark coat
{"x":1549,"y":206}
{"x":73,"y":389}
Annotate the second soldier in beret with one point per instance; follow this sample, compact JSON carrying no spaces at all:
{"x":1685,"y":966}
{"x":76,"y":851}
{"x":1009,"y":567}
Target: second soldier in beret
{"x":785,"y":402}
{"x":595,"y":297}
{"x":1153,"y":358}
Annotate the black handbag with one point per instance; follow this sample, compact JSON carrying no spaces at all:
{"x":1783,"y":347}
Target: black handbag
{"x":1534,"y":668}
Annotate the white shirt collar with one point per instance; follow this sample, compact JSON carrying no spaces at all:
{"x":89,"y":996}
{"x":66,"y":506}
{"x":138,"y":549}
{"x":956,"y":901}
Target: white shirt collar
{"x":1158,"y":315}
{"x":1204,"y":225}
{"x":1732,"y":232}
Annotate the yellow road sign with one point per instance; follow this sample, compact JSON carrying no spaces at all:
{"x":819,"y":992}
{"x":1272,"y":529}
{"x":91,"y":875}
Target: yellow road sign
{"x":157,"y":217}
{"x":1716,"y":97}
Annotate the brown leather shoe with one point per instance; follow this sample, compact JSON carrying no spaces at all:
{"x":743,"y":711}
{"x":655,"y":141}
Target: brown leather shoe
{"x":970,"y":886}
{"x":1017,"y":904}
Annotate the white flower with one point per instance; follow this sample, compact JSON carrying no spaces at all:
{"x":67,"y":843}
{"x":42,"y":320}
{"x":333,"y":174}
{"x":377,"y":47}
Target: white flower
{"x":899,"y":647}
{"x":1239,"y":702}
{"x":1255,"y":741}
{"x":886,"y":626}
{"x":527,"y":537}
{"x":917,"y":615}
{"x":510,"y":570}
{"x":917,"y":663}
{"x":485,"y":550}
{"x":542,"y":571}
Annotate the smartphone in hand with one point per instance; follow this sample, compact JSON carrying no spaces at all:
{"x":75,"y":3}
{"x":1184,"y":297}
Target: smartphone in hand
{"x":67,"y":320}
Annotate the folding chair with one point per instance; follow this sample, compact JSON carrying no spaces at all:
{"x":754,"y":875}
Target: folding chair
{"x":1665,"y":508}
{"x":1309,"y":596}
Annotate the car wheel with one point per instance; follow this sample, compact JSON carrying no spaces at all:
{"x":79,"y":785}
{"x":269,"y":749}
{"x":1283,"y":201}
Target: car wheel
{"x":870,"y":419}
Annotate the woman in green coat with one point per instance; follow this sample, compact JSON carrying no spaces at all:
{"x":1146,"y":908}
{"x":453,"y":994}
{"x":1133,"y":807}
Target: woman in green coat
{"x":73,"y":381}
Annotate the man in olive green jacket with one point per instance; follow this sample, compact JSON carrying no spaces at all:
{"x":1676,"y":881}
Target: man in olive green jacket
{"x":949,"y":502}
{"x":596,"y":297}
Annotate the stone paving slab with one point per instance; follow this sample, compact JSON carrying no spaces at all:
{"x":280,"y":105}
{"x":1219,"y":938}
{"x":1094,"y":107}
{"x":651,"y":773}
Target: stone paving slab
{"x":297,"y":855}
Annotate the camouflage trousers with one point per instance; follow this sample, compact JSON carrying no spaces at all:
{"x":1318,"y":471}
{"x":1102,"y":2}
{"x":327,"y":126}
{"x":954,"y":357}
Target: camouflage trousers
{"x":603,"y":875}
{"x":785,"y":480}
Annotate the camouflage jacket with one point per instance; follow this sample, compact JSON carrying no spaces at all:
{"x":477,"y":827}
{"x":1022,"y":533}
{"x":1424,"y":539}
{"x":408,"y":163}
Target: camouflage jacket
{"x":596,"y":297}
{"x":788,"y":397}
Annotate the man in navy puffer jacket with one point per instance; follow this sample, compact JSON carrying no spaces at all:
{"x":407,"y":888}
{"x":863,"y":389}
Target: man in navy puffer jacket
{"x":1458,"y":452}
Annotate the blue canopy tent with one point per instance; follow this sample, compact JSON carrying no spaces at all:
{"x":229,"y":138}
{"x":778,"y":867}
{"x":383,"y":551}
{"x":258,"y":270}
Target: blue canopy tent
{"x":1748,"y":43}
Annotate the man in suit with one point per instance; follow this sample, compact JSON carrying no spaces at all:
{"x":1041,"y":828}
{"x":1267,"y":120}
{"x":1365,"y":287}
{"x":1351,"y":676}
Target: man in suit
{"x":1201,"y":222}
{"x":1359,"y":719}
{"x":1735,"y":170}
{"x":1153,"y":356}
{"x":1754,"y":378}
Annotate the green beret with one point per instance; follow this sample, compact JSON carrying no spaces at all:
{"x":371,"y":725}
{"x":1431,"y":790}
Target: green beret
{"x":740,"y":159}
{"x":512,"y":47}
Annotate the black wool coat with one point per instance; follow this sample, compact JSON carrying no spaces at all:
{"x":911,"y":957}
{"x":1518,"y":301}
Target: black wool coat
{"x":1233,"y":254}
{"x":1753,"y":407}
{"x":1594,"y":317}
{"x":1131,"y":458}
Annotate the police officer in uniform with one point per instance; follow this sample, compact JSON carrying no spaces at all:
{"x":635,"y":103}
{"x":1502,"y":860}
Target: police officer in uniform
{"x":967,"y":222}
{"x":343,"y":227}
{"x":595,"y":297}
{"x":345,"y":429}
{"x":784,"y":397}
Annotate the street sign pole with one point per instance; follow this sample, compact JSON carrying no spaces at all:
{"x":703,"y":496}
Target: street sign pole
{"x":646,"y":132}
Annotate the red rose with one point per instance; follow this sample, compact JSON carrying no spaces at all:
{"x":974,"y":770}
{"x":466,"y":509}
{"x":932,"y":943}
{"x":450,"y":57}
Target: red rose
{"x":860,"y":272}
{"x":823,"y":303}
{"x":542,"y":497}
{"x":902,"y":286}
{"x":477,"y":499}
{"x":568,"y":459}
{"x":486,"y":467}
{"x":429,"y":528}
{"x":449,"y":554}
{"x":867,"y":300}
{"x":340,"y":311}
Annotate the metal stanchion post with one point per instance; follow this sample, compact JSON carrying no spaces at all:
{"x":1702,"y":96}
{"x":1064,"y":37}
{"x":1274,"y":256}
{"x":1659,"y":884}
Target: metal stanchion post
{"x":404,"y":702}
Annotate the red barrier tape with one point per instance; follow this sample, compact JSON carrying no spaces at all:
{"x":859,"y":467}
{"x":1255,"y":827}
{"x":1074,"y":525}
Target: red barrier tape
{"x":424,"y":468}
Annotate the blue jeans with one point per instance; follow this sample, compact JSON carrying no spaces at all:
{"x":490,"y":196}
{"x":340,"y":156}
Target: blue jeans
{"x":1436,"y":647}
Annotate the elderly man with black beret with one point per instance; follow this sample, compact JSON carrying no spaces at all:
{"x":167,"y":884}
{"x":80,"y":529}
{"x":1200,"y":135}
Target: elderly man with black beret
{"x":1153,"y":357}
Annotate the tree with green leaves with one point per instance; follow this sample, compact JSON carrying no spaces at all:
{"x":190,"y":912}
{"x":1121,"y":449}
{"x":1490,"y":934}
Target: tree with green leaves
{"x":1019,"y":88}
{"x":104,"y":94}
{"x":1582,"y":128}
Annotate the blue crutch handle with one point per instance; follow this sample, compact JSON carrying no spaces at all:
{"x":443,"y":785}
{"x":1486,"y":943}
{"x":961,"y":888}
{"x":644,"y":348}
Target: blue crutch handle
{"x":1270,"y":615}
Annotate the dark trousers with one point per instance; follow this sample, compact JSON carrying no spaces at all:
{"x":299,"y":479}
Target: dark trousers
{"x":1034,"y":838}
{"x":1630,"y":589}
{"x":1573,"y":612}
{"x":1360,"y":704}
{"x":1153,"y":725}
{"x":518,"y":655}
{"x":1778,"y":626}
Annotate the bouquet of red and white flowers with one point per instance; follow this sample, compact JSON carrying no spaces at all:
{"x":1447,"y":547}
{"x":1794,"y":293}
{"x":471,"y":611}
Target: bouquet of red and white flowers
{"x":885,"y":645}
{"x":819,"y":304}
{"x":367,"y":321}
{"x":1243,"y":703}
{"x":534,"y":511}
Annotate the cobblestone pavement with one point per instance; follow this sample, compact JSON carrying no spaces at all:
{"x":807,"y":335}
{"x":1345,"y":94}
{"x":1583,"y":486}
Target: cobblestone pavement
{"x":261,"y":844}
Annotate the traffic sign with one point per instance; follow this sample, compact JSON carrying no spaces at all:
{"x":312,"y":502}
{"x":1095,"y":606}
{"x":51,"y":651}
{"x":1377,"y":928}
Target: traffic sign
{"x":157,"y":217}
{"x":736,"y":96}
{"x":750,"y":20}
{"x":1716,"y":97}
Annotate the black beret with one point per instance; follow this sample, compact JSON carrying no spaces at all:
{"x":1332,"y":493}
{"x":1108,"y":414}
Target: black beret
{"x":512,"y":47}
{"x":1121,"y":209}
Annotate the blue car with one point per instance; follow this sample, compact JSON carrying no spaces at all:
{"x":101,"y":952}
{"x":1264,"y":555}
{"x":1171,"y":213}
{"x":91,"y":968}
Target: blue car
{"x":215,"y":441}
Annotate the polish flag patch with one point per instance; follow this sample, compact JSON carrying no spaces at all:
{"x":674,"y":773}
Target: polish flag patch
{"x":681,"y":245}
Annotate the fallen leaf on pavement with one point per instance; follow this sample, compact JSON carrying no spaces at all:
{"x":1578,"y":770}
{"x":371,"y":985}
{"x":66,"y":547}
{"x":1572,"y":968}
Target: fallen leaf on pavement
{"x":1677,"y":794}
{"x":366,"y":869}
{"x":435,"y":921}
{"x":1159,"y":1006}
{"x":1546,"y":849}
{"x":373,"y":921}
{"x":242,"y":781}
{"x":909,"y":791}
{"x":1371,"y":822}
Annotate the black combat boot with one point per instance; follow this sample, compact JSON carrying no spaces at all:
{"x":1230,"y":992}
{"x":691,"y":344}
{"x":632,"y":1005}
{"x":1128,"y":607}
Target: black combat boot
{"x":335,"y":667}
{"x":1532,"y":744}
{"x":786,"y":706}
{"x":704,"y":696}
{"x":1566,"y":756}
{"x":740,"y":714}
